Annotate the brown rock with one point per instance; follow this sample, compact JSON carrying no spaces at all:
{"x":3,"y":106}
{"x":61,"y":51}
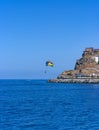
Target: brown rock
{"x":86,"y":66}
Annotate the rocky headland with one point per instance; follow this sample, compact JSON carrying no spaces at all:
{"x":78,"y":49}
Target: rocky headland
{"x":86,"y":69}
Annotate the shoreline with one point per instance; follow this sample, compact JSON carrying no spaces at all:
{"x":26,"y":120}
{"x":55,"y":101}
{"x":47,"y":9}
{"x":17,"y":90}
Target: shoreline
{"x":75,"y":80}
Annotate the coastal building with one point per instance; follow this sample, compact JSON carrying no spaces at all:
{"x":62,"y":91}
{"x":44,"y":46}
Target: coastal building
{"x":97,"y":59}
{"x":96,"y":50}
{"x":88,"y":50}
{"x":91,"y":51}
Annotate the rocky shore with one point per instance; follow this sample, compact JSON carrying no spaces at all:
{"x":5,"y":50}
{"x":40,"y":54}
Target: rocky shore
{"x":86,"y":80}
{"x":86,"y":69}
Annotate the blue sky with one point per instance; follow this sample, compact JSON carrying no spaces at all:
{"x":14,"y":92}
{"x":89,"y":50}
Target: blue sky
{"x":34,"y":31}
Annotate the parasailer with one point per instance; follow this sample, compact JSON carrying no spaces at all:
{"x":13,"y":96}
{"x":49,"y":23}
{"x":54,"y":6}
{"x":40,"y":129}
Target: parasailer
{"x":49,"y":63}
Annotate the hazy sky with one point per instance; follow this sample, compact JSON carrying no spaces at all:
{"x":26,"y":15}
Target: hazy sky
{"x":34,"y":31}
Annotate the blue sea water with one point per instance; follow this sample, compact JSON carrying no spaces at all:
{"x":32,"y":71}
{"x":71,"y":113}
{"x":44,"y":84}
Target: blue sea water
{"x":39,"y":105}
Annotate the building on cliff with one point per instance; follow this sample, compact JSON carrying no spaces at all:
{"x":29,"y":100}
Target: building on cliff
{"x":97,"y":59}
{"x":88,"y":50}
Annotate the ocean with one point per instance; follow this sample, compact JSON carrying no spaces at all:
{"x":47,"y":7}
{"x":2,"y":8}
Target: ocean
{"x":39,"y":105}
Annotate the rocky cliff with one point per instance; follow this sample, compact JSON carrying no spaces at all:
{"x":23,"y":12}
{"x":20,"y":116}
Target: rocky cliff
{"x":87,"y":66}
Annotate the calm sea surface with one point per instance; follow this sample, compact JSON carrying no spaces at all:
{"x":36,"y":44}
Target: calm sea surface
{"x":39,"y":105}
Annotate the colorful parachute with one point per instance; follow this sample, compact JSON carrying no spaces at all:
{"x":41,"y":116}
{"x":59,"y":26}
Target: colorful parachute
{"x":49,"y":63}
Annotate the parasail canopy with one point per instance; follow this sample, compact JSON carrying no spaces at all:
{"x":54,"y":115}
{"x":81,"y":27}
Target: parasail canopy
{"x":49,"y":63}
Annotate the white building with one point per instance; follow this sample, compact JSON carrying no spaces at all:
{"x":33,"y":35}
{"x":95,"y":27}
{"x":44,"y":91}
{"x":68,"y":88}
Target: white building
{"x":97,"y":59}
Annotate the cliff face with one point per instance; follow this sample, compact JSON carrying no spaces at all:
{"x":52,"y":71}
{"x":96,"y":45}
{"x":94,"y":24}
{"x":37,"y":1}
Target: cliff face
{"x":86,"y":66}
